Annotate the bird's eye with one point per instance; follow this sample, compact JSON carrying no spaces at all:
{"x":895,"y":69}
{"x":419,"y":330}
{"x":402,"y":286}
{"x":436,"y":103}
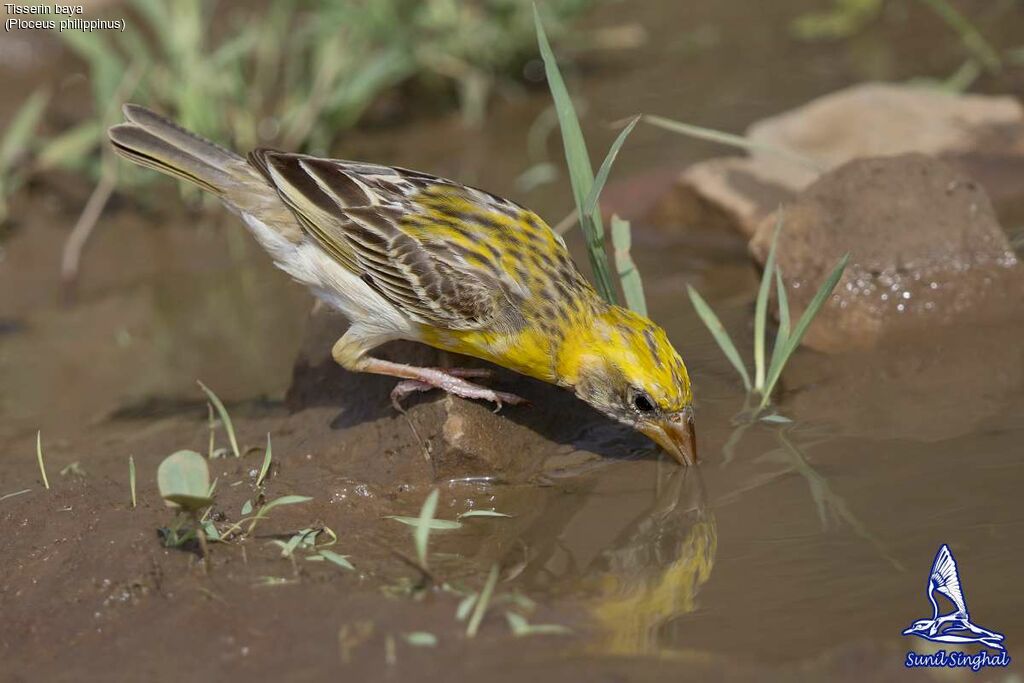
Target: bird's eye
{"x":643,"y":402}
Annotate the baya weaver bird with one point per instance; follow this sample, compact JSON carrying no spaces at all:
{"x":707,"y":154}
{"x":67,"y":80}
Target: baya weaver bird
{"x":407,"y":255}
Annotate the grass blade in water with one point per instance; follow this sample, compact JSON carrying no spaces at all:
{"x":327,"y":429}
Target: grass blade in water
{"x":761,"y":309}
{"x":482,"y":602}
{"x":717,"y":330}
{"x":783,"y":332}
{"x":801,"y":327}
{"x":421,"y":536}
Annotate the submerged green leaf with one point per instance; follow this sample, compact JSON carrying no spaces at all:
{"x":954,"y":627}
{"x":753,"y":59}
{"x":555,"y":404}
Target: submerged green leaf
{"x":465,"y":605}
{"x":420,"y":639}
{"x":421,"y":536}
{"x":334,"y":558}
{"x":482,"y":513}
{"x":433,"y":525}
{"x":480,"y":608}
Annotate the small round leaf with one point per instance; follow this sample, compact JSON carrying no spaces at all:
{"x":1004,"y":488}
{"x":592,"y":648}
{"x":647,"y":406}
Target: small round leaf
{"x":184,"y":480}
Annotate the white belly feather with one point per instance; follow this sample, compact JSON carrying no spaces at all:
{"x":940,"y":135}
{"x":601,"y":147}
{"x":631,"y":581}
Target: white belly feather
{"x":339,"y":288}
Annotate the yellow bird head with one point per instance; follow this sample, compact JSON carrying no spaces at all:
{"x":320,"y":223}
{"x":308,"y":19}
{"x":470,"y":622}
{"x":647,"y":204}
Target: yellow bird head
{"x":623,"y":365}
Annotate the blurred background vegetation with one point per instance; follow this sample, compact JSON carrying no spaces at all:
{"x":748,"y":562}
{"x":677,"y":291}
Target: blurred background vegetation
{"x":295,"y":74}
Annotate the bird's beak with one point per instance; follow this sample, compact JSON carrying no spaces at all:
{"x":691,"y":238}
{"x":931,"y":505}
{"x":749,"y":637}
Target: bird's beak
{"x":676,"y":435}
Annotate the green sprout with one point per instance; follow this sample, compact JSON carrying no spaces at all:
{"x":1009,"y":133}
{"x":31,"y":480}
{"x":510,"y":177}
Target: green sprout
{"x":131,"y":479}
{"x":262,"y":514}
{"x":767,"y":374}
{"x":424,"y":524}
{"x":184,"y":482}
{"x":39,"y":458}
{"x":265,"y":468}
{"x":225,"y":418}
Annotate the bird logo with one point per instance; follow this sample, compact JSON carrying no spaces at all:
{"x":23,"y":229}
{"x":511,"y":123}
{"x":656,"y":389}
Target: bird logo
{"x":955,"y":627}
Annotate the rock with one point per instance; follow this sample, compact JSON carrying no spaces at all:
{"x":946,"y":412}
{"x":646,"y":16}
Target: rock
{"x":925,"y":249}
{"x":977,"y":134}
{"x":463,"y":438}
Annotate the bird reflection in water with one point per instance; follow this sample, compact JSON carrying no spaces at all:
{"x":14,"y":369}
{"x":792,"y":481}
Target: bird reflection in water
{"x":655,"y":570}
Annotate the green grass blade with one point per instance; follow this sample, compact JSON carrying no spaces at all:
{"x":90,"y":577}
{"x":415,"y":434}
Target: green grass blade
{"x":761,"y":309}
{"x":267,"y":457}
{"x":482,"y":513}
{"x":629,"y":276}
{"x":131,"y":479}
{"x":482,"y":602}
{"x":70,"y":148}
{"x":20,"y":133}
{"x":421,"y":536}
{"x":577,"y":158}
{"x":335,"y":558}
{"x":969,"y":34}
{"x":39,"y":457}
{"x":731,"y":140}
{"x":784,"y":326}
{"x":606,"y":167}
{"x":16,"y":493}
{"x":801,"y":327}
{"x":434,"y":524}
{"x":717,"y":330}
{"x":229,"y":427}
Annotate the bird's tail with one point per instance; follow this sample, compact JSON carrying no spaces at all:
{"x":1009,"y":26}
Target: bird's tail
{"x":150,"y":140}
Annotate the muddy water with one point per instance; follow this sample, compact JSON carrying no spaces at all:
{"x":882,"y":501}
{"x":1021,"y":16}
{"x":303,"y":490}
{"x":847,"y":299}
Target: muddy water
{"x":793,"y":551}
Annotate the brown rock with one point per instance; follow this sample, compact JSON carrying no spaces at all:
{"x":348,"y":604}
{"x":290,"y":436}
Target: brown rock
{"x":925,"y":248}
{"x":463,"y":438}
{"x":977,"y":134}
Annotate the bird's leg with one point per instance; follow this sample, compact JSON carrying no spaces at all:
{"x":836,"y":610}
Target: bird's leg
{"x":422,"y":379}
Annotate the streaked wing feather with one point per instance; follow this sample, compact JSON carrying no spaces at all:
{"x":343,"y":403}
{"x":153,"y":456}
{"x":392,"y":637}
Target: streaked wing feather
{"x":355,"y":213}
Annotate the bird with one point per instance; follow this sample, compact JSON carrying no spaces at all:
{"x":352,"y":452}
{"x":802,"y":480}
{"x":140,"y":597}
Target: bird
{"x":955,"y":627}
{"x":407,"y":255}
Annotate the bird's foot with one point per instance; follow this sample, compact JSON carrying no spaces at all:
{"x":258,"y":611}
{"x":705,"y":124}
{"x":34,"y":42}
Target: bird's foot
{"x":453,"y":381}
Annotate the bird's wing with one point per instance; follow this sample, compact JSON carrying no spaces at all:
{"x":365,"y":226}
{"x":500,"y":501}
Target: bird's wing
{"x":426,"y":244}
{"x":946,"y":578}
